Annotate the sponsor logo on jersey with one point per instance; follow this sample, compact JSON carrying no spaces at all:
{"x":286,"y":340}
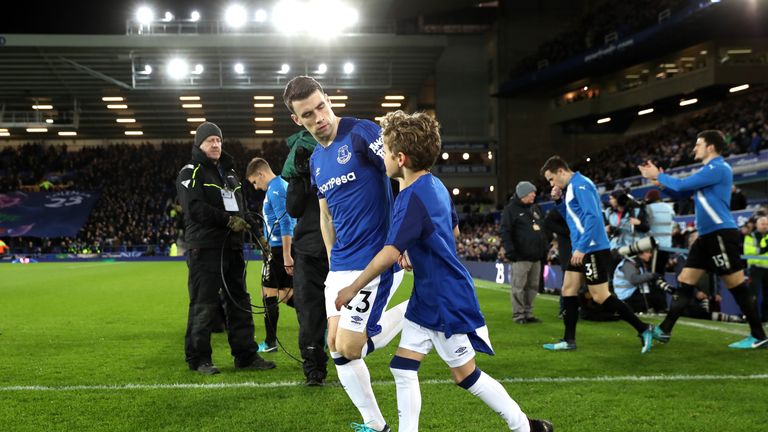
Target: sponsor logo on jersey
{"x":335,"y":181}
{"x":377,"y":147}
{"x":344,"y":155}
{"x":461,"y":351}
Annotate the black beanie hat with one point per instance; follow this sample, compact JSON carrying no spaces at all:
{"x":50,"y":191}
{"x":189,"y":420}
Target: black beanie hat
{"x":204,"y":131}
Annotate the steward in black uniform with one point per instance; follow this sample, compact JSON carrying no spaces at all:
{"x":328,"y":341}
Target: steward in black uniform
{"x":213,"y":208}
{"x":309,"y":256}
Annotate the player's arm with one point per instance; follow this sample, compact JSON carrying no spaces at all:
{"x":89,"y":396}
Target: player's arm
{"x":700,"y":179}
{"x":326,"y":226}
{"x":383,"y":260}
{"x":589,"y":202}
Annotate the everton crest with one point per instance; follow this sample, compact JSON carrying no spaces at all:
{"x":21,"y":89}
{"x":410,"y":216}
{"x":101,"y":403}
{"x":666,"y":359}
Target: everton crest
{"x":344,"y":155}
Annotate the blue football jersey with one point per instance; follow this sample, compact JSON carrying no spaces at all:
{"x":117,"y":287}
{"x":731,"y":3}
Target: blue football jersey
{"x":278,"y":222}
{"x":350,"y":175}
{"x":583,"y":212}
{"x":443,"y":297}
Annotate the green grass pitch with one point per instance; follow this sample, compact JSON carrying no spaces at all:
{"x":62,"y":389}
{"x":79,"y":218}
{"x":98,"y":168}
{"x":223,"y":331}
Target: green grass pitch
{"x":98,"y":346}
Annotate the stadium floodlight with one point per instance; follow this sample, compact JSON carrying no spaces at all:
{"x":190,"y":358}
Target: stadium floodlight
{"x":145,"y":15}
{"x":685,"y":102}
{"x":645,"y":111}
{"x":239,"y":68}
{"x":338,"y":105}
{"x":37,"y":129}
{"x":198,"y":69}
{"x":446,"y":156}
{"x":738,"y":88}
{"x":456,"y":191}
{"x":67,"y":133}
{"x":588,"y":159}
{"x":112,"y":99}
{"x":147,"y":70}
{"x":5,"y":134}
{"x":285,"y":68}
{"x":168,"y":16}
{"x":322,"y":68}
{"x":235,"y":16}
{"x":490,"y":155}
{"x":177,"y":68}
{"x":263,"y":105}
{"x":49,"y":121}
{"x":117,"y":106}
{"x":264,"y":131}
{"x":194,"y":16}
{"x":263,"y":119}
{"x":134,"y":133}
{"x":491,"y":188}
{"x":465,"y":156}
{"x":288,"y":16}
{"x":192,"y":105}
{"x":391,"y":105}
{"x":349,"y":67}
{"x":338,"y":97}
{"x":189,"y":98}
{"x":196,"y":120}
{"x":263,"y":98}
{"x":260,"y":16}
{"x":126,"y":120}
{"x":394,"y":97}
{"x":604,"y":120}
{"x":42,"y":107}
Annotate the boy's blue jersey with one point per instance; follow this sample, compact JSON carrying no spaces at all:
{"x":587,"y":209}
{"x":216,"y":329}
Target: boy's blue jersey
{"x":443,"y":297}
{"x":274,"y":210}
{"x":712,"y":188}
{"x":583,"y":212}
{"x":350,"y":175}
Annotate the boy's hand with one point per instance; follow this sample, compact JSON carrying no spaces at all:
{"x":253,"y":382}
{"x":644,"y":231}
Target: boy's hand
{"x":405,"y":262}
{"x":345,"y":296}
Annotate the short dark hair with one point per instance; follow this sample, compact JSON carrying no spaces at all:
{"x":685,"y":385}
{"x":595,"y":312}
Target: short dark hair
{"x":713,"y":137}
{"x":299,"y":88}
{"x":415,"y":135}
{"x":553,"y":164}
{"x":256,"y":164}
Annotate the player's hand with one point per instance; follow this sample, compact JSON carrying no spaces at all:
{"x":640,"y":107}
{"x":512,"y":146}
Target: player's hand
{"x":238,"y":224}
{"x":634,"y":221}
{"x":405,"y":262}
{"x":556,"y":193}
{"x":288,"y":264}
{"x":649,"y":170}
{"x":345,"y":296}
{"x":577,"y":258}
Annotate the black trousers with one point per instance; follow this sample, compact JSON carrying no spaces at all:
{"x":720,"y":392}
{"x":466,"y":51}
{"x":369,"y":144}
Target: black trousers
{"x":205,"y":269}
{"x":309,"y":299}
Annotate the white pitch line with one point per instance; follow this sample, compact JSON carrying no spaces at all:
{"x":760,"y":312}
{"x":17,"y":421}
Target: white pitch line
{"x":285,"y":384}
{"x":738,"y":329}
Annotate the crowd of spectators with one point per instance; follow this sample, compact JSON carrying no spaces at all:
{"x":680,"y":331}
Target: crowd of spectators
{"x":137,"y":207}
{"x":742,"y":120}
{"x":606,"y":17}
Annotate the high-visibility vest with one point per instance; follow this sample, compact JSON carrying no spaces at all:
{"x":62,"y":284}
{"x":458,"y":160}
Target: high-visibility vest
{"x":756,"y":244}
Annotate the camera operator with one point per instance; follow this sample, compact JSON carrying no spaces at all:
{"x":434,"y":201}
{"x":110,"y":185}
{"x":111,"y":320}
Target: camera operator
{"x":661,"y":220}
{"x":638,"y":287}
{"x":213,"y":209}
{"x":310,"y":258}
{"x":626,"y":219}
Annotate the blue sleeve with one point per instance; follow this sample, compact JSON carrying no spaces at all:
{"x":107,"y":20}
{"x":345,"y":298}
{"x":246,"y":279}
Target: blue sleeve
{"x":408,"y":221}
{"x":312,"y":181}
{"x":706,"y":176}
{"x":561,"y":208}
{"x":589,"y":201}
{"x":677,"y":196}
{"x":278,"y":207}
{"x":367,"y":138}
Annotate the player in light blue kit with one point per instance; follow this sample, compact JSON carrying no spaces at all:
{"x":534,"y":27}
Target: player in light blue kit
{"x":347,"y":168}
{"x":591,"y":258}
{"x":277,"y":273}
{"x":718,"y":247}
{"x":443,"y":312}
